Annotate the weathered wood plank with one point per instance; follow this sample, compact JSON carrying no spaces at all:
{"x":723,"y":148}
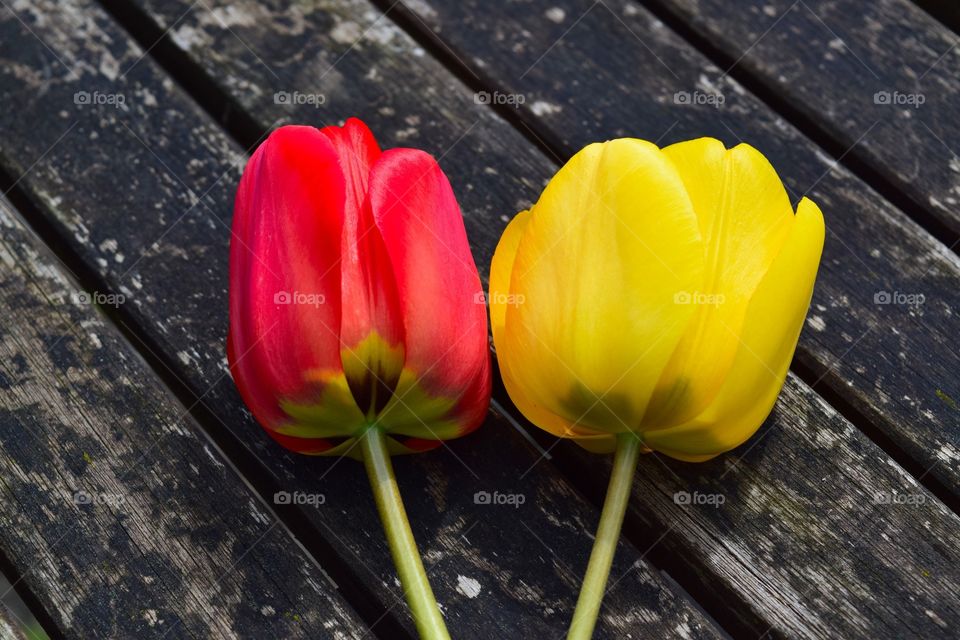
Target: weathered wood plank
{"x":882,"y":78}
{"x":142,"y":194}
{"x":880,"y":334}
{"x":718,"y":549}
{"x":119,"y":517}
{"x":887,"y":565}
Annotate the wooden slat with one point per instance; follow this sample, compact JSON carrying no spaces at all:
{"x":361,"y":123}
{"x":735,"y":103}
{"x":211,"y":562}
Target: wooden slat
{"x":882,"y":78}
{"x":142,"y":195}
{"x":895,"y":366}
{"x":119,"y":517}
{"x":409,"y":100}
{"x":820,"y":535}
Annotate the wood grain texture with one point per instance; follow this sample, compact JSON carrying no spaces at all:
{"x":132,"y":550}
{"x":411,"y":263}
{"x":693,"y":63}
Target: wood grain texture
{"x":593,"y":71}
{"x":119,"y":516}
{"x":807,"y":525}
{"x":882,"y":78}
{"x":257,"y":54}
{"x":143,"y":195}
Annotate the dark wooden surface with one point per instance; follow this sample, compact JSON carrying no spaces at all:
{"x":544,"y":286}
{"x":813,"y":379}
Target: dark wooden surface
{"x":136,"y":201}
{"x":109,"y":487}
{"x":873,"y":78}
{"x":873,"y":357}
{"x":154,"y":225}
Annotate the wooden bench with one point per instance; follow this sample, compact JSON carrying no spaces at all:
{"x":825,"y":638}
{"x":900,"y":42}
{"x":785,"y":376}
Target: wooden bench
{"x":139,"y":495}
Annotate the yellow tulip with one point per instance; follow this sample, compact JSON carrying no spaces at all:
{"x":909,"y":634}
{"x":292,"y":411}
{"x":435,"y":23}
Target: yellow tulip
{"x":651,"y":300}
{"x":657,"y":291}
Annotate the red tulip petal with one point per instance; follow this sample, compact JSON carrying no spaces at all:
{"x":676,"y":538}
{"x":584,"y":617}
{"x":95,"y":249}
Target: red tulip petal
{"x":357,"y":151}
{"x":284,"y":273}
{"x":440,"y":294}
{"x":371,"y":330}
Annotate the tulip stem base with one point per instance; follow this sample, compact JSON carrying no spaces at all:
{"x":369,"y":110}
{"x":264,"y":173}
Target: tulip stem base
{"x":403,"y":548}
{"x":608,"y":533}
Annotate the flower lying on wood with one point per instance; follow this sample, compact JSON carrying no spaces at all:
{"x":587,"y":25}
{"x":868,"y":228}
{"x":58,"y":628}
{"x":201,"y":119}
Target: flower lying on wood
{"x":652,"y":300}
{"x":354,"y":323}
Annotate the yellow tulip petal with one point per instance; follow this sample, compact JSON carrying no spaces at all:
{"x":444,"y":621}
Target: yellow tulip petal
{"x":502,"y":267}
{"x":744,"y":216}
{"x":591,"y":320}
{"x":500,"y":299}
{"x":771,"y":328}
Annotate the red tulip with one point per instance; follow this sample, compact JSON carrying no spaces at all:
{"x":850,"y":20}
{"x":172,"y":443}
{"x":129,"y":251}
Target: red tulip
{"x":357,"y":323}
{"x":353,"y":295}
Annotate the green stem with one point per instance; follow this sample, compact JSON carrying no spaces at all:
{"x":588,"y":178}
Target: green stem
{"x":605,"y":544}
{"x":403,"y":548}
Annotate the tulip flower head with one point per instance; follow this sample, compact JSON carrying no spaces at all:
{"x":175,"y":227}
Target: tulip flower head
{"x":663,"y":292}
{"x":353,"y":295}
{"x":651,"y":300}
{"x":354,"y":323}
